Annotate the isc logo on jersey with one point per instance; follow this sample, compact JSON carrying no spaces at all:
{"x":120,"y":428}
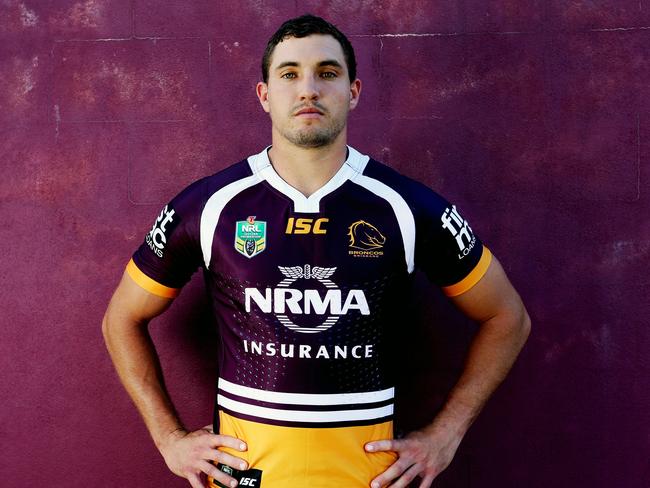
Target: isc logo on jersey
{"x":306,"y":226}
{"x":460,"y":229}
{"x":285,"y":299}
{"x":162,"y":227}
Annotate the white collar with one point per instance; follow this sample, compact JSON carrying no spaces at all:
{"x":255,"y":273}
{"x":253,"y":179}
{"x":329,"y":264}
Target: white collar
{"x":261,"y":166}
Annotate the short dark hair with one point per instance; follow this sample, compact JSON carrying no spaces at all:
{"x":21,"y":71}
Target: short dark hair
{"x":304,"y":26}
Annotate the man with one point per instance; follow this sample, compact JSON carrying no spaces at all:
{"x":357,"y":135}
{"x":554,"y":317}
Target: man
{"x":308,"y":250}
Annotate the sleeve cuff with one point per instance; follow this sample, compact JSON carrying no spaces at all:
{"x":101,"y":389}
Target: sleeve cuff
{"x":149,"y":284}
{"x":472,"y":278}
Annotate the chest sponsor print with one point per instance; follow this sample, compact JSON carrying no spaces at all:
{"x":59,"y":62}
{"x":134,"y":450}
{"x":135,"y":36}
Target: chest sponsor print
{"x":320,"y":297}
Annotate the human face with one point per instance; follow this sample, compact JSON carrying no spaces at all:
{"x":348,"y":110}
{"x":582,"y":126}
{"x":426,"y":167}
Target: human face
{"x":309,"y":93}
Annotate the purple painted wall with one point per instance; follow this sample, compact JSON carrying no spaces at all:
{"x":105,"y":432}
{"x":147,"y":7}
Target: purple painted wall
{"x":532,"y":115}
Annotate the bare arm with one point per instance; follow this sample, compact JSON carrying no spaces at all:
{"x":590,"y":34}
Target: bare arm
{"x":134,"y":355}
{"x":504,"y":328}
{"x":125,"y":329}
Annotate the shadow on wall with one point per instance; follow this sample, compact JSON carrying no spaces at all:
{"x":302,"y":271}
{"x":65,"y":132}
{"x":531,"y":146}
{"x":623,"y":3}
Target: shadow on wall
{"x":432,"y":346}
{"x":187,"y":340}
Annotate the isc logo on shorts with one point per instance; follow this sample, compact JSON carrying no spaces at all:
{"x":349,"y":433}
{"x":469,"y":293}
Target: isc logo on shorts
{"x":250,"y":477}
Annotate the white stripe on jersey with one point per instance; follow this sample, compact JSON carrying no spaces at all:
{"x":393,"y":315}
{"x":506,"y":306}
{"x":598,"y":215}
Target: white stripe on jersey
{"x":306,"y":398}
{"x":304,"y":416}
{"x":402,"y":211}
{"x":212,"y":211}
{"x":260,"y":164}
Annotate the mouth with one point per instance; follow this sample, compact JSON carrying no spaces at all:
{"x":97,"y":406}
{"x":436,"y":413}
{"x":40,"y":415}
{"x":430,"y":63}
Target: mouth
{"x":309,"y":112}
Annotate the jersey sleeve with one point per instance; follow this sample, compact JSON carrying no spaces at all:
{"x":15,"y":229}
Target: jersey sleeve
{"x":446,"y":248}
{"x":171,"y":251}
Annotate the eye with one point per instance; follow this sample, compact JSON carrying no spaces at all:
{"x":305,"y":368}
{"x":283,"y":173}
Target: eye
{"x":289,"y":75}
{"x":329,"y":74}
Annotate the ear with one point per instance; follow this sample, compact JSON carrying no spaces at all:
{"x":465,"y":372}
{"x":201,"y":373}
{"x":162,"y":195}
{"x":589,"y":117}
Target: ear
{"x":355,"y":92}
{"x":262,"y":90}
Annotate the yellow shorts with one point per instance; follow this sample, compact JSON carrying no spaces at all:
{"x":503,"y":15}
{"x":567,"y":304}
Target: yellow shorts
{"x":281,"y":457}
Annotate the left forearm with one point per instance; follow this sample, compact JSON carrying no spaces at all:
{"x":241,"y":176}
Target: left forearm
{"x":491,"y":355}
{"x":505,"y":326}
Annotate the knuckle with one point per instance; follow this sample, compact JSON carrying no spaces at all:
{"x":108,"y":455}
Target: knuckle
{"x":214,"y":472}
{"x":229,"y":461}
{"x":404,"y":463}
{"x":224,"y":457}
{"x":420,"y":457}
{"x":220,"y":440}
{"x":397,"y":483}
{"x":223,"y":478}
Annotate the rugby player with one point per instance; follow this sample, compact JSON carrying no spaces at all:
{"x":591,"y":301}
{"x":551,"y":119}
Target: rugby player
{"x":308,"y":249}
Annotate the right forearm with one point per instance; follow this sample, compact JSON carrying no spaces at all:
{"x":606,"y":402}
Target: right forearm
{"x":138,"y":366}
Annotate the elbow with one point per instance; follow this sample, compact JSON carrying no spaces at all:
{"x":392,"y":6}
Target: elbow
{"x":105,"y":327}
{"x":107,"y":330}
{"x":525,"y":325}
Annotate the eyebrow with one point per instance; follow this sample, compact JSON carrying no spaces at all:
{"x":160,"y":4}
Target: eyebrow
{"x":327,"y":62}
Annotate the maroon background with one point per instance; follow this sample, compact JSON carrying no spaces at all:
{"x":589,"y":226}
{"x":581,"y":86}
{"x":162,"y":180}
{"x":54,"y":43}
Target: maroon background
{"x":531,"y":115}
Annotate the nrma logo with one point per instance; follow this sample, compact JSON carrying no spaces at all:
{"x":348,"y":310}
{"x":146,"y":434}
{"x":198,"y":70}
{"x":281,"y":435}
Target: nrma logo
{"x":283,"y":299}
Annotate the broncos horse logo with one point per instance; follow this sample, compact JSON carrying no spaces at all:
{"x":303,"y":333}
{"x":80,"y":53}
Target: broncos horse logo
{"x":365,"y":236}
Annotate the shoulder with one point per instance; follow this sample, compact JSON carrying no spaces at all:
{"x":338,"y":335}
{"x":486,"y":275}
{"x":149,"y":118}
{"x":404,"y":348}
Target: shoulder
{"x":186,"y":207}
{"x":215,"y":182}
{"x":418,"y":196}
{"x":196,"y":194}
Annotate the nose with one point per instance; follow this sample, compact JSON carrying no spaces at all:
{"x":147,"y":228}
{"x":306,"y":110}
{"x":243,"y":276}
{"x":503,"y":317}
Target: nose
{"x":309,"y":88}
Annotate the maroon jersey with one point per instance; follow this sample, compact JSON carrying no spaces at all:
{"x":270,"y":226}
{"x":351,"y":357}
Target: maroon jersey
{"x":307,"y":293}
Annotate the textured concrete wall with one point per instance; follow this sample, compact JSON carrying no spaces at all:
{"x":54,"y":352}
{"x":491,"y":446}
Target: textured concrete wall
{"x":531,"y":115}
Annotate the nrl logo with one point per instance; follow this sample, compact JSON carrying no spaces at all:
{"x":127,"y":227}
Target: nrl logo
{"x":250,"y":237}
{"x":283,"y":298}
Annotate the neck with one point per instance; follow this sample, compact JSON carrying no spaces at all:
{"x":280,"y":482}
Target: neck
{"x":307,"y":169}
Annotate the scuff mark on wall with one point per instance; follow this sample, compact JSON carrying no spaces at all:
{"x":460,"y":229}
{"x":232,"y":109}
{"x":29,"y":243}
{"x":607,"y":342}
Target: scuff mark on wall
{"x":18,"y":79}
{"x":86,"y":14}
{"x":123,"y":84}
{"x":27,"y":77}
{"x":472,"y":81}
{"x":627,"y":251}
{"x":229,"y":47}
{"x":80,"y":17}
{"x":57,"y":119}
{"x":27,"y":17}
